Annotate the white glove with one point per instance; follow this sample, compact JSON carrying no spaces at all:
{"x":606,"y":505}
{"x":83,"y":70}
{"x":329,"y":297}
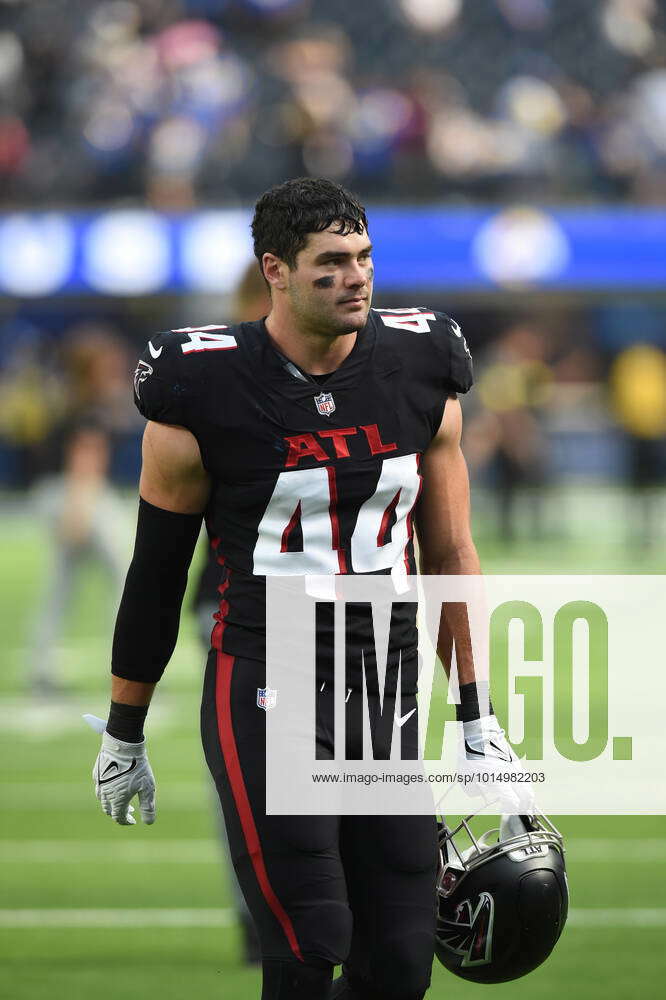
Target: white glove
{"x":496,"y":773}
{"x":122,"y":771}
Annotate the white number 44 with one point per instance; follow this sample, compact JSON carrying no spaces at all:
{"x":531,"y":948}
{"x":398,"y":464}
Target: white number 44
{"x":202,"y":339}
{"x":407,"y":319}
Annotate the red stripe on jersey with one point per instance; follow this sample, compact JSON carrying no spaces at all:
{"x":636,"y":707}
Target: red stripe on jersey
{"x":383,"y":527}
{"x":293,"y":521}
{"x":221,"y":613}
{"x":213,"y":347}
{"x":223,"y":609}
{"x":335,"y":523}
{"x":410,"y":515}
{"x":225,"y":666}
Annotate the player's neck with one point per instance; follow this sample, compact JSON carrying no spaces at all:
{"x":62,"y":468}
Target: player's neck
{"x":315,"y":353}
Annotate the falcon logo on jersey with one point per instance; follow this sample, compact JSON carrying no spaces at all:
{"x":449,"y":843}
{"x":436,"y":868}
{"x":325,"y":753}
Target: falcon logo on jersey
{"x":325,"y":403}
{"x":266,"y":698}
{"x":143,"y":370}
{"x":470,"y":933}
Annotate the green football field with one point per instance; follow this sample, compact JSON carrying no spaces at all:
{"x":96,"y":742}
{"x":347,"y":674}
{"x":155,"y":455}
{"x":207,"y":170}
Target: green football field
{"x":91,"y":909}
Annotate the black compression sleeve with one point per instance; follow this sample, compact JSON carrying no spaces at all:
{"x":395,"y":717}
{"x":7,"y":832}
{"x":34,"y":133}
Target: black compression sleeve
{"x":149,"y":613}
{"x":474,"y":701}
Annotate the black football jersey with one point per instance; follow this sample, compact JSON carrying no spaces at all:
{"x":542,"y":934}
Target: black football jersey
{"x":309,"y":475}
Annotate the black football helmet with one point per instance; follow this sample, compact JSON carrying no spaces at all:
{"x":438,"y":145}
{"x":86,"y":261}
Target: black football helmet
{"x":503,"y":901}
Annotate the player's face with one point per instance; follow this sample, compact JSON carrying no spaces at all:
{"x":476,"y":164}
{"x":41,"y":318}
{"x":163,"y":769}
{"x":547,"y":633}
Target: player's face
{"x":330,"y":289}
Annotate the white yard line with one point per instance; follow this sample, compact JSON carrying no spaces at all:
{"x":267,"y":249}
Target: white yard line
{"x":38,"y":720}
{"x":117,"y":918}
{"x":140,"y":852}
{"x":618,"y":917}
{"x":37,"y":795}
{"x":587,"y":851}
{"x":594,"y":850}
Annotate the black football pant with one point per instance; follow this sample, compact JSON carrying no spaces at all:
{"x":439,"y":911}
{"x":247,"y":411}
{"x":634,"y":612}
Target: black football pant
{"x":322,"y":890}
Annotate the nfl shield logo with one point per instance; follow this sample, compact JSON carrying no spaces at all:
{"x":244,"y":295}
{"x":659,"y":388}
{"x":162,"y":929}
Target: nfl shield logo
{"x":266,"y":698}
{"x":325,"y":403}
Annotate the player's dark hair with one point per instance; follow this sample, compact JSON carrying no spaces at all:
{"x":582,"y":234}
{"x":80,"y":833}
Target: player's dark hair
{"x":286,"y":214}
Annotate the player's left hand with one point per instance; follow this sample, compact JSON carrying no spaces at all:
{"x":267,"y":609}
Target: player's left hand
{"x":121,"y":771}
{"x":495,"y":773}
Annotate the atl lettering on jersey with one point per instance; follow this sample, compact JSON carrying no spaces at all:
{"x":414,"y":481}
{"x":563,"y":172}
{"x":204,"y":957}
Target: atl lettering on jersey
{"x":298,"y":491}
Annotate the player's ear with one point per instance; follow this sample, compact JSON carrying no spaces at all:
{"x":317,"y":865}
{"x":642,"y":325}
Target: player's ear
{"x":275,"y":271}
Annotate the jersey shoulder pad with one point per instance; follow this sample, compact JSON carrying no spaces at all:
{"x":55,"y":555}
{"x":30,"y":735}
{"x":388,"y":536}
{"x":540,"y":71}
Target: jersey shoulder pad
{"x":444,"y":339}
{"x":168,"y":373}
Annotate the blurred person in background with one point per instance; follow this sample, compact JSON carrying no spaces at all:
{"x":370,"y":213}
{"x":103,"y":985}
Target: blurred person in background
{"x":637,"y":383}
{"x":251,"y":302}
{"x":32,"y":399}
{"x":76,"y":499}
{"x":507,"y":437}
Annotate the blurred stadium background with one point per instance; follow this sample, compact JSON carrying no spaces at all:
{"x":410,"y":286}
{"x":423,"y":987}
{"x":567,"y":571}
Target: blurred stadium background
{"x":512,"y":154}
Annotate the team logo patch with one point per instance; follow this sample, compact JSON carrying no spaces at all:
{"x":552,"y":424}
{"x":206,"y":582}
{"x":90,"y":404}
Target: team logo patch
{"x":470,"y":932}
{"x":266,"y":698}
{"x":325,"y":403}
{"x":143,"y":370}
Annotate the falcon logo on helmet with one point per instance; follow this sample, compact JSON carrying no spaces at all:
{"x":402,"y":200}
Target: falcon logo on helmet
{"x":470,"y":934}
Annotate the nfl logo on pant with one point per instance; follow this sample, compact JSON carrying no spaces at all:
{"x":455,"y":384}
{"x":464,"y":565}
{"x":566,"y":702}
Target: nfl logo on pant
{"x":325,"y":403}
{"x":266,"y":698}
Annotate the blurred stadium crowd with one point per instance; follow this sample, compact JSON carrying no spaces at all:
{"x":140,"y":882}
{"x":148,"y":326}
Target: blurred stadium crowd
{"x":181,"y":101}
{"x":186,"y":103}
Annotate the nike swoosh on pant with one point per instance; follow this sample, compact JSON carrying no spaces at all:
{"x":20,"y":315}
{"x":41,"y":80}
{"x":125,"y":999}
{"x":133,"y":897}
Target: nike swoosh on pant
{"x":400,"y":720}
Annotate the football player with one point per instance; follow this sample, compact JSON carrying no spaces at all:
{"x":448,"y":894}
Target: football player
{"x":279,"y":432}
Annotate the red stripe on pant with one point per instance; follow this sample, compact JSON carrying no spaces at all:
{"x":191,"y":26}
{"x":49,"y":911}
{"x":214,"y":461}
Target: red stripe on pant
{"x":225,"y":666}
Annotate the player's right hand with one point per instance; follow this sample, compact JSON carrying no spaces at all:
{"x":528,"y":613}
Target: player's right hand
{"x":121,"y":771}
{"x":494,"y":772}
